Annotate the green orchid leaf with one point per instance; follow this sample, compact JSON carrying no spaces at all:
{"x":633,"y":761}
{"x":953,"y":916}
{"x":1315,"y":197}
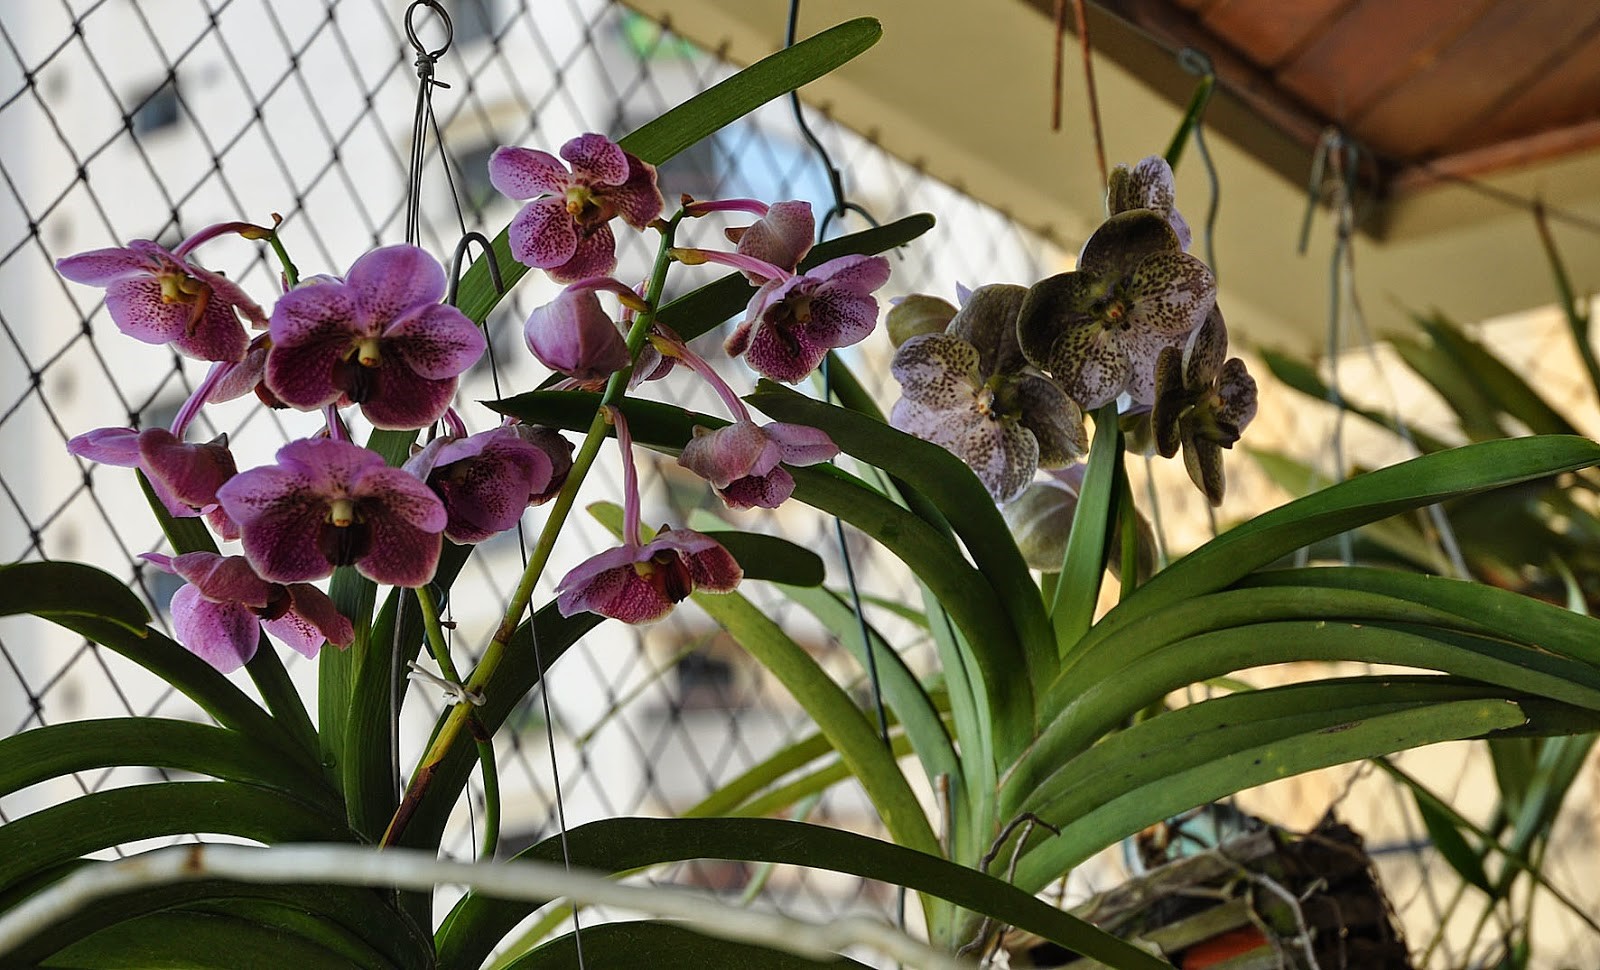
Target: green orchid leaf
{"x":100,"y":820}
{"x":1347,"y":505}
{"x":69,"y":589}
{"x":1084,"y":565}
{"x":626,"y":844}
{"x":1449,"y":842}
{"x":187,"y":940}
{"x":56,"y":750}
{"x":664,"y":946}
{"x":702,"y":115}
{"x":1233,"y":768}
{"x":772,"y":558}
{"x":1499,"y":383}
{"x":760,"y":776}
{"x":958,"y":495}
{"x":351,"y":917}
{"x":834,"y":771}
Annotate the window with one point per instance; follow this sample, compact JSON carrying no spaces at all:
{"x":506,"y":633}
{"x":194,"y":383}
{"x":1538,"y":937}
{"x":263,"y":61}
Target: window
{"x":156,"y":111}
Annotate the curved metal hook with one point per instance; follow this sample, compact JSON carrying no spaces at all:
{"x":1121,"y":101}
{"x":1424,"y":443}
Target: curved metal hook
{"x":460,"y":255}
{"x":411,"y":30}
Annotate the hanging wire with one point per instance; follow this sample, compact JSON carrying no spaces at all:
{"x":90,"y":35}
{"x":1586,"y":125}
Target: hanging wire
{"x":422,"y":118}
{"x":1198,"y":63}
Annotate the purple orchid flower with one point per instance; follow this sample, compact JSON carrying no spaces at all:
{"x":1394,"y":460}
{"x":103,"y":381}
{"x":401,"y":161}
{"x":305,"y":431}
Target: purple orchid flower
{"x":795,"y":319}
{"x":330,"y":503}
{"x":782,"y":235}
{"x":220,"y":612}
{"x":485,"y":480}
{"x":640,"y":582}
{"x":566,"y":229}
{"x":380,"y":339}
{"x":744,"y":461}
{"x":159,"y":297}
{"x":573,"y":335}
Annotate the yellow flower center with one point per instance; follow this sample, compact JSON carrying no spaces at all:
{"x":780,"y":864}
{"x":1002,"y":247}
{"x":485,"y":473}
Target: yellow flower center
{"x":342,"y":512}
{"x":367,"y":352}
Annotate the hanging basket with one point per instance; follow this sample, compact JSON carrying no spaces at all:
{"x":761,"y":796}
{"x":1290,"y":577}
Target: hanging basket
{"x":1258,"y":901}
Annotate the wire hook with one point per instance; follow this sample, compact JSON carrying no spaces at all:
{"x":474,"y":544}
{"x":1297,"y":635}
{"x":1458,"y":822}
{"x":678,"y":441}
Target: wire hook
{"x":423,"y":54}
{"x":459,"y":257}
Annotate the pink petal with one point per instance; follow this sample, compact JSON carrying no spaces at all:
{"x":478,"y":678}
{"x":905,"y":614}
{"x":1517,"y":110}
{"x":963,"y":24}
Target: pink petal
{"x":526,"y":173}
{"x":402,"y":554}
{"x":595,"y":255}
{"x":191,"y":473}
{"x":574,"y":335}
{"x":138,"y":310}
{"x":101,"y":267}
{"x":108,"y":446}
{"x":596,"y":159}
{"x":216,"y":335}
{"x":782,"y":237}
{"x":313,"y":327}
{"x":841,"y":317}
{"x":388,"y":282}
{"x":543,"y":235}
{"x":223,"y":579}
{"x":801,"y":444}
{"x":861,"y":274}
{"x":728,"y":454}
{"x":313,"y":605}
{"x":401,"y":495}
{"x":224,"y":635}
{"x":436,"y":342}
{"x":279,"y":523}
{"x":767,"y":491}
{"x":638,"y":199}
{"x":244,"y":376}
{"x":296,"y":634}
{"x":619,"y":593}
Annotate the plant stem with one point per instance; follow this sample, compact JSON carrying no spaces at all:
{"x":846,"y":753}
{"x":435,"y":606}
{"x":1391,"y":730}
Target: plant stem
{"x":494,"y":653}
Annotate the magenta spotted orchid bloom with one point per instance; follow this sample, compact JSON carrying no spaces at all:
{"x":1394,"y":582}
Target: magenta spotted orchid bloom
{"x":566,"y":229}
{"x":1098,"y":330}
{"x":330,"y":503}
{"x":221,"y":610}
{"x":574,"y":335}
{"x":744,"y":461}
{"x":782,"y":234}
{"x":641,"y":582}
{"x":159,"y":297}
{"x":794,"y":319}
{"x":485,"y":480}
{"x":380,"y":338}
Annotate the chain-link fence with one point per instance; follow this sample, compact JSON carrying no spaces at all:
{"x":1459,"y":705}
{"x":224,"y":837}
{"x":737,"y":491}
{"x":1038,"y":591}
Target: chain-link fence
{"x":126,"y":119}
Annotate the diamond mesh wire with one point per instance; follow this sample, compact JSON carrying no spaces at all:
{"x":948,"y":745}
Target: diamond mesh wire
{"x":124,"y":119}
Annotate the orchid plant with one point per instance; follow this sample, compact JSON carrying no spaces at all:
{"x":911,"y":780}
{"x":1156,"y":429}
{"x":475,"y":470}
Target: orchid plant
{"x":1044,"y":735}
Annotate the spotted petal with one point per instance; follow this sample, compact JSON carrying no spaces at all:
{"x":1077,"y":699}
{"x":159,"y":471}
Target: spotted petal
{"x":1171,"y":294}
{"x":1124,"y":240}
{"x":526,"y":173}
{"x":988,"y":321}
{"x":1003,"y":454}
{"x":938,"y":371}
{"x":224,"y":635}
{"x":638,"y":199}
{"x":595,"y":254}
{"x":542,"y":235}
{"x":596,"y":159}
{"x":1054,"y":419}
{"x":388,"y":282}
{"x":1090,"y":365}
{"x":1053,"y":306}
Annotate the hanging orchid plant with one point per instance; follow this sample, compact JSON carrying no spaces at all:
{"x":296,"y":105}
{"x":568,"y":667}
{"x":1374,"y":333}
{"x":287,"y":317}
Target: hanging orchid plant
{"x":1042,"y":711}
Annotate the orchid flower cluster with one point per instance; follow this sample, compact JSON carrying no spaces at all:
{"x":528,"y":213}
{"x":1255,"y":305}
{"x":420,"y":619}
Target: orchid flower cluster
{"x":1004,"y":380}
{"x":381,"y":339}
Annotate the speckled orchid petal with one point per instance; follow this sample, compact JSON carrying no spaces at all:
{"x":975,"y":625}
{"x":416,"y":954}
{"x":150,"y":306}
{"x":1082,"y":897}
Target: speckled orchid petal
{"x":596,"y":159}
{"x":1054,"y":306}
{"x":526,"y":173}
{"x":313,"y":328}
{"x":1090,"y":366}
{"x":329,"y":503}
{"x":1205,"y":350}
{"x":1236,"y":394}
{"x":594,"y":255}
{"x":642,"y":584}
{"x":742,"y":460}
{"x":102,"y":267}
{"x":638,"y":199}
{"x":1123,"y":240}
{"x":790,"y":326}
{"x":243,"y":378}
{"x":392,"y":281}
{"x":1148,"y":185}
{"x":1202,"y":459}
{"x":557,"y":449}
{"x":1171,"y":399}
{"x":202,"y":330}
{"x":400,"y":399}
{"x":1171,"y":294}
{"x":801,"y":444}
{"x":224,"y":635}
{"x":939,"y":371}
{"x":782,"y":237}
{"x":485,"y":480}
{"x":1142,"y":356}
{"x":314,"y":606}
{"x":988,"y":321}
{"x":1003,"y":454}
{"x":542,"y":235}
{"x":936,"y":426}
{"x":1054,"y":419}
{"x":436,"y":341}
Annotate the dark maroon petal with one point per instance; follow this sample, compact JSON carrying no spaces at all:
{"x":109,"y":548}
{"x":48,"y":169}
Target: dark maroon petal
{"x":759,"y":491}
{"x":216,"y":334}
{"x":543,"y":234}
{"x":557,"y":449}
{"x":313,"y":329}
{"x":224,"y":635}
{"x":223,"y":579}
{"x":281,"y":539}
{"x":619,"y":593}
{"x":333,"y":469}
{"x":399,"y":495}
{"x":594,"y":255}
{"x":739,"y":340}
{"x":638,"y":200}
{"x":388,"y":282}
{"x":526,"y":173}
{"x":1236,"y":392}
{"x":437,"y":341}
{"x":1125,"y":239}
{"x":401,"y":400}
{"x":596,"y":159}
{"x":486,"y":493}
{"x":781,"y":356}
{"x":401,"y":554}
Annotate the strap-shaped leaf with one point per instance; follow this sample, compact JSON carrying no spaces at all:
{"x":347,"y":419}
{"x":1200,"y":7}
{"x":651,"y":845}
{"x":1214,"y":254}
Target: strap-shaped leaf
{"x":186,"y":941}
{"x":1366,"y":498}
{"x":60,"y":749}
{"x":626,"y":844}
{"x":772,"y":558}
{"x":664,"y":946}
{"x":1245,"y":766}
{"x":100,"y":820}
{"x":69,"y":589}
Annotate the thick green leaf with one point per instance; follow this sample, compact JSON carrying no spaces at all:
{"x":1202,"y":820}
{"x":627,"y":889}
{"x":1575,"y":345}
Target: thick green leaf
{"x":195,"y":941}
{"x":1367,"y":498}
{"x":663,"y":946}
{"x":772,"y":558}
{"x":960,"y":497}
{"x":1245,"y":767}
{"x":626,"y":844}
{"x":61,"y":833}
{"x":1448,"y":840}
{"x":700,"y":116}
{"x":363,"y":913}
{"x":768,"y":771}
{"x":1083,"y":566}
{"x":1503,"y":387}
{"x":293,"y":921}
{"x":69,"y":589}
{"x":59,"y":749}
